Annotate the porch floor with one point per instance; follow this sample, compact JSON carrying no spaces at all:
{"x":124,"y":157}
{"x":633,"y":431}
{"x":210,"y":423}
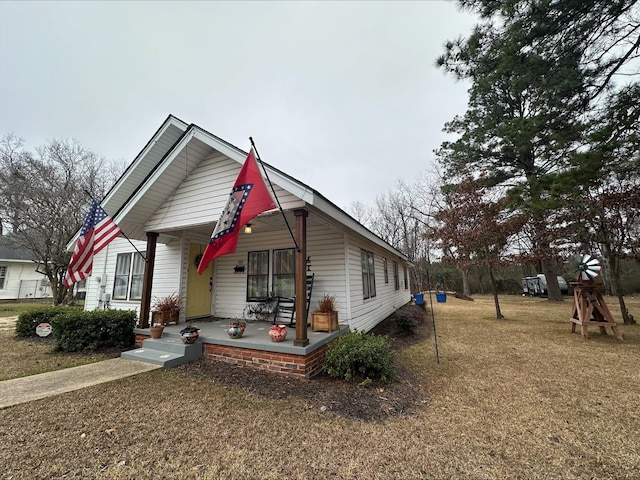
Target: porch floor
{"x":256,"y":336}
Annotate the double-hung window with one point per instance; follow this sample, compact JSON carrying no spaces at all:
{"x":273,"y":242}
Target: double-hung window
{"x":406,"y":278}
{"x":3,"y":277}
{"x":129,"y":276}
{"x":258,"y":276}
{"x":284,"y":270}
{"x":396,"y":276}
{"x":368,"y":274}
{"x":386,"y":270}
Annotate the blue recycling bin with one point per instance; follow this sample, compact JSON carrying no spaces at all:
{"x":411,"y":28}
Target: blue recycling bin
{"x":418,"y":298}
{"x":441,"y":297}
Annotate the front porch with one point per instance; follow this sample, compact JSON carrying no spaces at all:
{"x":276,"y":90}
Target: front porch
{"x":255,"y":348}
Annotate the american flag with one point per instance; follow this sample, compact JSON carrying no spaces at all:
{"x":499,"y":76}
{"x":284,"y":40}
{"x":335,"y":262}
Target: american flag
{"x":97,"y":231}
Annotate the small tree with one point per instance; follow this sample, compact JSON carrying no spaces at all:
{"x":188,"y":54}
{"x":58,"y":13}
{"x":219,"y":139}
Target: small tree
{"x":475,"y":230}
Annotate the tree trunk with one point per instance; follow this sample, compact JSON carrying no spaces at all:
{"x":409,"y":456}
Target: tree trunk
{"x":553,"y":288}
{"x":616,"y":285}
{"x":466,"y":289}
{"x":494,"y":287}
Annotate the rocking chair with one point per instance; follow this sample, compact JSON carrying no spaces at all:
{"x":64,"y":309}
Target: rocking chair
{"x":286,"y":306}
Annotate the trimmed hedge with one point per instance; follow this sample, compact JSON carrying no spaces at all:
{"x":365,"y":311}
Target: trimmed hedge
{"x":88,"y":331}
{"x":29,"y":320}
{"x":358,"y":356}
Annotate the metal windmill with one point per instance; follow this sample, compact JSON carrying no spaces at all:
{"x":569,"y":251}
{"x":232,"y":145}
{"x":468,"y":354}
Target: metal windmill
{"x":589,"y":308}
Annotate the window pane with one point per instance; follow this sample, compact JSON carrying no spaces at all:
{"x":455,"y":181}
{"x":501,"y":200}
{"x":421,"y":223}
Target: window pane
{"x":396,"y":276}
{"x":284,"y":272}
{"x":3,"y":276}
{"x":121,"y":283}
{"x":258,"y":275}
{"x":137,"y":277}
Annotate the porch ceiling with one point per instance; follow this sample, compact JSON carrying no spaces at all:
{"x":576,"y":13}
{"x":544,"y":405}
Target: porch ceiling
{"x":268,"y":222}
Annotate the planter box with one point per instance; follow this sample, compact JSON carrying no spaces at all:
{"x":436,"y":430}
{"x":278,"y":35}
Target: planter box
{"x":324,"y":321}
{"x":163,"y":318}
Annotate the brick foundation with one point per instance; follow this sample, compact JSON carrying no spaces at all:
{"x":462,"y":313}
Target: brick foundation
{"x":298,"y":366}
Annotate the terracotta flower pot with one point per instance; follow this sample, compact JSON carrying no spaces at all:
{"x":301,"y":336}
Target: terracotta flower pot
{"x":156,"y":331}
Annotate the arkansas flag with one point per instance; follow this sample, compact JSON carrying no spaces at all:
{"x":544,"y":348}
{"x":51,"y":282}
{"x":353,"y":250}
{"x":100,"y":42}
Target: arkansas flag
{"x":97,"y":231}
{"x":248,"y":198}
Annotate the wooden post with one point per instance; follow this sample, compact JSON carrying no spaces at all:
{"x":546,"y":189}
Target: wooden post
{"x":302,"y":340}
{"x":147,"y":281}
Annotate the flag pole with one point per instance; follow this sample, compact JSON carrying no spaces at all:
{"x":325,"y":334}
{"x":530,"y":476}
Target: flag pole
{"x":121,"y":232}
{"x":253,"y":145}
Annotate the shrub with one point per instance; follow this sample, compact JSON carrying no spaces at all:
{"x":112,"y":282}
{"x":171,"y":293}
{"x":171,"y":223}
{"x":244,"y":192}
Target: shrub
{"x":405,"y":324}
{"x":357,"y":356}
{"x":29,"y":320}
{"x":89,"y":331}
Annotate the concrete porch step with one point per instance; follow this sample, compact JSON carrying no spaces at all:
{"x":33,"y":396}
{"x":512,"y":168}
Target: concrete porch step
{"x":166,"y":351}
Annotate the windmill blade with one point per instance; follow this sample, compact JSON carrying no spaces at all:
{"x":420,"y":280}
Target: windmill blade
{"x":593,"y":262}
{"x":585,"y":258}
{"x":594,"y":268}
{"x":591,"y":274}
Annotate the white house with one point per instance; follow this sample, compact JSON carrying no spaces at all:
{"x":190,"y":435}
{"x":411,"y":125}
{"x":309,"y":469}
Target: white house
{"x":167,"y":203}
{"x":19,"y":279}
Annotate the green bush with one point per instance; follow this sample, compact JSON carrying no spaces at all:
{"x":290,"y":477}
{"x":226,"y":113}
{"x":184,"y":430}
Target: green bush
{"x":29,"y":320}
{"x":75,"y":331}
{"x":358,"y":356}
{"x":406,"y":325}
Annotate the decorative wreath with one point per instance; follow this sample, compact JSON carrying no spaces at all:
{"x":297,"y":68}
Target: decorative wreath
{"x":198,"y":259}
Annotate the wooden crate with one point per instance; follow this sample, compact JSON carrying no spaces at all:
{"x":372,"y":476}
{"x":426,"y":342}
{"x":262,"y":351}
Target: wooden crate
{"x":324,"y":321}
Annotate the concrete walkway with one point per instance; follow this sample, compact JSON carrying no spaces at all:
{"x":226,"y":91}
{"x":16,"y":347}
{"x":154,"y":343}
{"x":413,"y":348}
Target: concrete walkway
{"x":43,"y":385}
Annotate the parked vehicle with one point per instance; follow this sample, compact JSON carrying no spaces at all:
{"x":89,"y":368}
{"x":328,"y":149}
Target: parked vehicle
{"x":537,"y":286}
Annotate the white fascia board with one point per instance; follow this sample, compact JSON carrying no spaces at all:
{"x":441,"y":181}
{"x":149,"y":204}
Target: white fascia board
{"x":172,"y":121}
{"x":345,"y":219}
{"x":168,"y":160}
{"x":276,"y":177}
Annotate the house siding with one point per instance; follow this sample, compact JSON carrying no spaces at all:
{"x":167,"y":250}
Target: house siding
{"x":166,"y":279}
{"x":366,"y":314}
{"x":23,"y":282}
{"x":201,"y":197}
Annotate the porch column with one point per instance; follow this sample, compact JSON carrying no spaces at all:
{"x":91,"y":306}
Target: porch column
{"x":301,"y":278}
{"x":147,"y":281}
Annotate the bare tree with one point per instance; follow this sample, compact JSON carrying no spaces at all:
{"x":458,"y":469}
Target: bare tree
{"x":44,"y":199}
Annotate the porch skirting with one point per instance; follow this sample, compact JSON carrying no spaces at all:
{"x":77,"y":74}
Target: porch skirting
{"x":301,"y":366}
{"x":256,"y":350}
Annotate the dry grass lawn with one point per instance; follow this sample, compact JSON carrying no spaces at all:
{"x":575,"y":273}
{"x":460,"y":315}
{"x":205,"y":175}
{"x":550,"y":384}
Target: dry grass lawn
{"x":520,"y":398}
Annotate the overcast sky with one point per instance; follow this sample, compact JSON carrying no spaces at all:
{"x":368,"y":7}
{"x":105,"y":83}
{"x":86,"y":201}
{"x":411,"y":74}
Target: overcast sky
{"x":343,"y":96}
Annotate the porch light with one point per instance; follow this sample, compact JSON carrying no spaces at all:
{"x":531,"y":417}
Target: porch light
{"x":247,"y":228}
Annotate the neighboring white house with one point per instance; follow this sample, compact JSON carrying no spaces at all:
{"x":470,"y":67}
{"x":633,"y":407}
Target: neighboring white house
{"x":174,"y":191}
{"x":19,"y":279}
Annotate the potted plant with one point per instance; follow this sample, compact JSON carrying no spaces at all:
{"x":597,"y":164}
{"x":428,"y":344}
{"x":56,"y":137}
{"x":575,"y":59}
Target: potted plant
{"x":326,"y":317}
{"x":189,"y":334}
{"x":167,"y":310}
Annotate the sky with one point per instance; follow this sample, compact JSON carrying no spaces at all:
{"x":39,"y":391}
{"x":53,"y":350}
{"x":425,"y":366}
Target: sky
{"x":344,"y":96}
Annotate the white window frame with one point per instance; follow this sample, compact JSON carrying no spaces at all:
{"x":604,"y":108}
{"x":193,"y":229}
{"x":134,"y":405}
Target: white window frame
{"x":131,"y":277}
{"x":4,"y":270}
{"x":367,"y":261}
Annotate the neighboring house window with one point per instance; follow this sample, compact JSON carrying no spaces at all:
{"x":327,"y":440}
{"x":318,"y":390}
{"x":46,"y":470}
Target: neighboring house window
{"x":368,"y":275}
{"x":386,"y":270}
{"x":406,"y":278}
{"x":129,"y":276}
{"x":284,"y":272}
{"x":258,"y":275}
{"x":396,"y":276}
{"x":3,"y":277}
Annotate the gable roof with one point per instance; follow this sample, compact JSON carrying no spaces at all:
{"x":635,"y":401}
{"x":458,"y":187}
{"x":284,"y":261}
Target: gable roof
{"x":12,"y":253}
{"x":170,"y":156}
